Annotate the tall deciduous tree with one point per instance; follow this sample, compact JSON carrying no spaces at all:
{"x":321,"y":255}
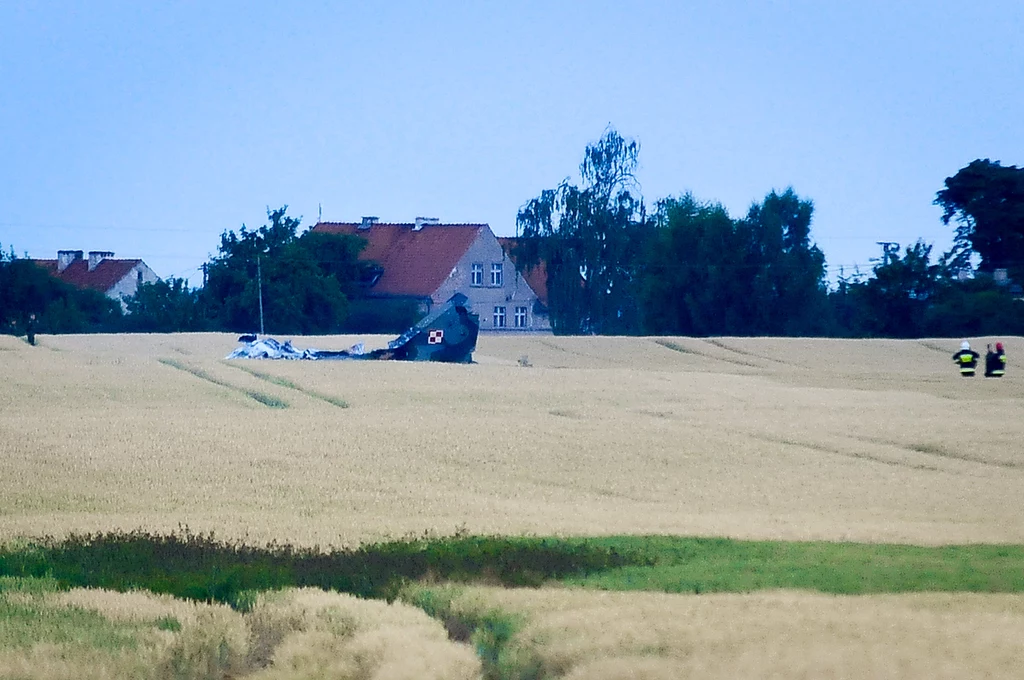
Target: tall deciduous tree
{"x":788,"y":291}
{"x":590,"y":238}
{"x":303,"y":280}
{"x":708,"y":274}
{"x":987,"y":201}
{"x":692,"y":283}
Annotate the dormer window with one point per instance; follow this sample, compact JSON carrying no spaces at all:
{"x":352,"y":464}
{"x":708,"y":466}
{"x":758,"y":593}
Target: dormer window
{"x":496,"y":275}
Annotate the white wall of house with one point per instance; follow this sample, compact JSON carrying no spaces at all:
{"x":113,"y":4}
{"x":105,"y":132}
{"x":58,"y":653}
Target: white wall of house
{"x":126,"y":287}
{"x":511,"y":298}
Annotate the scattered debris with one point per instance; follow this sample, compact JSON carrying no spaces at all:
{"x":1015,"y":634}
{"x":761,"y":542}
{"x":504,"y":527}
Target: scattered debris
{"x":447,"y":334}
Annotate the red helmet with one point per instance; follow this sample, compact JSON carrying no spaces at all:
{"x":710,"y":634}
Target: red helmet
{"x":999,"y":347}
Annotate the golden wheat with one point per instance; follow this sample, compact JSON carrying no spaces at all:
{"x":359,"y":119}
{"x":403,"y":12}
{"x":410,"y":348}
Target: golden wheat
{"x":289,"y":635}
{"x":308,"y":634}
{"x":105,"y":635}
{"x":598,"y":635}
{"x":756,"y":438}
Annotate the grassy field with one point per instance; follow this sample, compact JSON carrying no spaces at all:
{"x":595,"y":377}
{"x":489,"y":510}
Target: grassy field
{"x":848,"y":446}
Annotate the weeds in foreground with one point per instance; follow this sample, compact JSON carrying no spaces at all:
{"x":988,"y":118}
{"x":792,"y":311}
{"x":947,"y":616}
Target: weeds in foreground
{"x":202,"y":567}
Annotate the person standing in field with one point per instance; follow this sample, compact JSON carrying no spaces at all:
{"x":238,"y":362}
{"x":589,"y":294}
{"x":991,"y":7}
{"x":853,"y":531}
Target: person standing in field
{"x":999,"y":362}
{"x":30,"y":330}
{"x":966,"y":359}
{"x":990,"y":361}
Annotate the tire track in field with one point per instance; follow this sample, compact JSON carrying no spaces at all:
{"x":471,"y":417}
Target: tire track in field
{"x":676,"y":347}
{"x":933,"y":346}
{"x":813,"y":446}
{"x":585,"y":355}
{"x":940,"y":452}
{"x":286,"y":383}
{"x":267,"y":400}
{"x":718,"y":343}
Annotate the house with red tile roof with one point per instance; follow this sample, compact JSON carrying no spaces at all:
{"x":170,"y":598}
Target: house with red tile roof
{"x":536,"y":277}
{"x":115,"y":278}
{"x":429,"y":262}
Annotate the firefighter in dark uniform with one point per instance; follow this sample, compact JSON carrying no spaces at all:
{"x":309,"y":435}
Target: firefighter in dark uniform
{"x":990,"y":362}
{"x":999,"y":367}
{"x":966,"y":359}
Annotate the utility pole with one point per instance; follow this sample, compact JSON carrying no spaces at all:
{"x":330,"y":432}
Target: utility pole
{"x":889,"y":248}
{"x":259,"y":284}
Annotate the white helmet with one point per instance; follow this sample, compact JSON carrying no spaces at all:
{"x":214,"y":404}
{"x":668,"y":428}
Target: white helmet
{"x":965,"y":345}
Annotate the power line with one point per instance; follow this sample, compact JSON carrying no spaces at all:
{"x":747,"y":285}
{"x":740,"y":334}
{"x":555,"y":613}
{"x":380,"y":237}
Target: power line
{"x":100,"y":227}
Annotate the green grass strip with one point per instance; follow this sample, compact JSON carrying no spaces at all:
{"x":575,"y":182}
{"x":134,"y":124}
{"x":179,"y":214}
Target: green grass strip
{"x":705,"y":565}
{"x":204,"y":568}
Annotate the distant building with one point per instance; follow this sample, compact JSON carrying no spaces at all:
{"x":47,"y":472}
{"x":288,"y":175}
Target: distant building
{"x":536,"y":277}
{"x":428,"y":262}
{"x":117,"y":279}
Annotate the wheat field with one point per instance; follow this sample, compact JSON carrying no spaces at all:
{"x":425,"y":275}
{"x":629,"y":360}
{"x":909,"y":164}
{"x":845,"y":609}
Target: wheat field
{"x":877,"y":441}
{"x":866,"y":440}
{"x":295,"y":634}
{"x":587,"y":635}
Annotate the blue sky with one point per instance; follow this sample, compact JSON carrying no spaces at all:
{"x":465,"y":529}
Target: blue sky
{"x":150,"y":128}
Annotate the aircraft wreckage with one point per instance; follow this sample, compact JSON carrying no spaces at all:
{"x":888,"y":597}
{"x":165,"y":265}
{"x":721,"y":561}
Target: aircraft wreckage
{"x":447,"y":334}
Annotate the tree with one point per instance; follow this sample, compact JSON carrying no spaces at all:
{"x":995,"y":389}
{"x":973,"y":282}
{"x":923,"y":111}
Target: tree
{"x":974,"y":307}
{"x":26,"y":288}
{"x":690,"y":286}
{"x":590,"y":238}
{"x":165,"y":307}
{"x":708,"y":274}
{"x":304,"y":278}
{"x":895,"y":302}
{"x":788,"y":291}
{"x":987,"y":201}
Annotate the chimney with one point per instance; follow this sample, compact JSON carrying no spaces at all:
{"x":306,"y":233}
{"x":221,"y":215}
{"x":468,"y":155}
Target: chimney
{"x":423,"y":221}
{"x":368,"y":221}
{"x":66,"y":257}
{"x":97,"y":256}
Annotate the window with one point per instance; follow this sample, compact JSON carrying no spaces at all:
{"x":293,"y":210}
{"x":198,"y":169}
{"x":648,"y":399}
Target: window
{"x":476,"y":274}
{"x":139,"y":278}
{"x":520,"y":318}
{"x":496,"y":278}
{"x":499,"y":317}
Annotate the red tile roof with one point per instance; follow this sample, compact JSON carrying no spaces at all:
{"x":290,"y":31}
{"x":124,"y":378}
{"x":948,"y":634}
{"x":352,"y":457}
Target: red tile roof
{"x":536,"y":278}
{"x":105,"y":276}
{"x":415,"y":262}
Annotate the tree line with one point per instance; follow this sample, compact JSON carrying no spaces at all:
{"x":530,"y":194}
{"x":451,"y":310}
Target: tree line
{"x":684,"y":267}
{"x":311,"y":284}
{"x":689,"y":268}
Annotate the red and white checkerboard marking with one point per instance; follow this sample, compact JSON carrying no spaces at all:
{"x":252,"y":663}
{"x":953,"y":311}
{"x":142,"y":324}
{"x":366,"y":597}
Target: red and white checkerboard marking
{"x":435,"y":337}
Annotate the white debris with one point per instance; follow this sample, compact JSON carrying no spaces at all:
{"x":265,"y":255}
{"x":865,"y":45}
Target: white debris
{"x":269,"y":348}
